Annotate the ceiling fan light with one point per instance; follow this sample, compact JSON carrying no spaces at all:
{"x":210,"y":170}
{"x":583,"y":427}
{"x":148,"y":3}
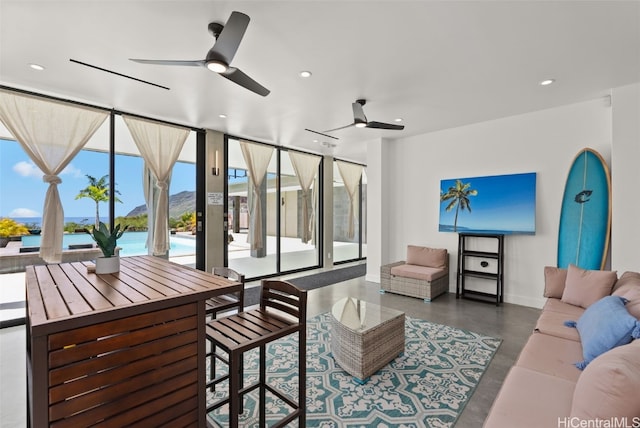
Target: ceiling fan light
{"x":217,"y":66}
{"x":361,"y":125}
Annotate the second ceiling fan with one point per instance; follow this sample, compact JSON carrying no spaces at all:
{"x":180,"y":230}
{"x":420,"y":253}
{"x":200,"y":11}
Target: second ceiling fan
{"x":360,"y":120}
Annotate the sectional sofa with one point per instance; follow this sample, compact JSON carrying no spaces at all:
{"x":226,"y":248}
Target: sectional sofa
{"x":581,"y":364}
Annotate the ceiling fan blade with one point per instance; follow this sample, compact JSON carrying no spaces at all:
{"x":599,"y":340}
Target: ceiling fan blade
{"x":358,"y":113}
{"x":229,"y":39}
{"x":342,"y":127}
{"x":381,"y":125}
{"x":237,"y":76}
{"x":195,"y":63}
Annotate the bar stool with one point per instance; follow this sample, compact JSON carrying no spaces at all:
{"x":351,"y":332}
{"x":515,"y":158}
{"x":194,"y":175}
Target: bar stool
{"x":226,"y":302}
{"x":282,"y":311}
{"x":223,"y":303}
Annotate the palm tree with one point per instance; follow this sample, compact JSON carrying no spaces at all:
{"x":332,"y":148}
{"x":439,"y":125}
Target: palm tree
{"x":98,"y":190}
{"x":459,"y":196}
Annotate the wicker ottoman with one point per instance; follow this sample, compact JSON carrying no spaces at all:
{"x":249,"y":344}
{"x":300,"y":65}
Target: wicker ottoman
{"x":365,"y":337}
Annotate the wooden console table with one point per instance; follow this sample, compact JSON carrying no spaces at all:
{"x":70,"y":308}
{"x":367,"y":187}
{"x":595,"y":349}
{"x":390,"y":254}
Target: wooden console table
{"x":118,"y":349}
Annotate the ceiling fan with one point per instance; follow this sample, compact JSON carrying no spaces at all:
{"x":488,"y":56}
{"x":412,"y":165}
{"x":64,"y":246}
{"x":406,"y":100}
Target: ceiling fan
{"x":360,"y":120}
{"x":228,"y":38}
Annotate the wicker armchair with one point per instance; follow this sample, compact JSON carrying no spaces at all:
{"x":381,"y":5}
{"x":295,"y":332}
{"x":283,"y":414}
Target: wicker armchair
{"x":425,"y":274}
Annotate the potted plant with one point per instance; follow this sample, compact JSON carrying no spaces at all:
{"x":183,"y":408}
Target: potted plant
{"x":106,"y":241}
{"x":11,"y":230}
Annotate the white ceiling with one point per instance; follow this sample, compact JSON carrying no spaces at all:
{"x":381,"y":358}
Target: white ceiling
{"x":436,"y":64}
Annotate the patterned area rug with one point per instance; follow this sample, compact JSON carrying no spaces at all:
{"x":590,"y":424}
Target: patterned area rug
{"x":427,"y":386}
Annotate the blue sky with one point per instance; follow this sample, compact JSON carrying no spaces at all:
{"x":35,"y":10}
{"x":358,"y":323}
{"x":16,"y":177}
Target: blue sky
{"x":504,"y":202}
{"x":22,"y":190}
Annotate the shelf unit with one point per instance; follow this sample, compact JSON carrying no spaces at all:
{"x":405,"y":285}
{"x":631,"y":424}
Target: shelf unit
{"x":463,"y":271}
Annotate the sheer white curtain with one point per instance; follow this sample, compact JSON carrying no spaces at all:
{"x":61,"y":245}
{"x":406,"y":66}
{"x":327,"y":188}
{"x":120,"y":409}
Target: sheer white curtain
{"x":51,"y":133}
{"x":160,"y":145}
{"x":151,"y":196}
{"x":350,"y":173}
{"x":257,"y":158}
{"x":306,"y":168}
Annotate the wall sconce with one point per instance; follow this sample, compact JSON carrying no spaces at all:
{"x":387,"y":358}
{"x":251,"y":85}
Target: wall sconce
{"x":216,"y":169}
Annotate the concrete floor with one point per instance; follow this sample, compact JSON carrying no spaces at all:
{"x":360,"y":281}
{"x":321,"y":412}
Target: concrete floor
{"x":511,"y":323}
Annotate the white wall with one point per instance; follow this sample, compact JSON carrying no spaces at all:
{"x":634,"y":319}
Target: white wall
{"x":377,"y":207}
{"x":625,"y":178}
{"x":544,"y":142}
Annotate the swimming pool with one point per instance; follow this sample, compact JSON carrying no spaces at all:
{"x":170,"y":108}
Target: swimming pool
{"x":131,"y":243}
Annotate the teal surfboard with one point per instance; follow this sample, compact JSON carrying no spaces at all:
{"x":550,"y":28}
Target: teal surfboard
{"x":585,"y":217}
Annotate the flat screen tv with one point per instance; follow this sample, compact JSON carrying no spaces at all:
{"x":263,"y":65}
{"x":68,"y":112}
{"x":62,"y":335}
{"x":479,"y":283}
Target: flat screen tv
{"x":498,"y":204}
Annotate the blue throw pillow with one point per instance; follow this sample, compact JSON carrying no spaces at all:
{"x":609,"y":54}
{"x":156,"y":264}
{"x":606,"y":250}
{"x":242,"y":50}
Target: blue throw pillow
{"x":603,"y":326}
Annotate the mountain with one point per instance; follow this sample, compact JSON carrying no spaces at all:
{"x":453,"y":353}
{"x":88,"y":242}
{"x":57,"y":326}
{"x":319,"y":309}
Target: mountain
{"x":179,"y":204}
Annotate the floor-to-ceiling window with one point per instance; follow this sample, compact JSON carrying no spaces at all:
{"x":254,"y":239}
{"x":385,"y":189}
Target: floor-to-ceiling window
{"x":89,"y":186}
{"x":273,"y":209}
{"x":299,"y":196}
{"x":83,"y":180}
{"x":130,"y":206}
{"x":349,"y":213}
{"x":252,"y":211}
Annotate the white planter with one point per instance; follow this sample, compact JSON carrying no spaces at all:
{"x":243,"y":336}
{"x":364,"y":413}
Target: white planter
{"x":108,"y":264}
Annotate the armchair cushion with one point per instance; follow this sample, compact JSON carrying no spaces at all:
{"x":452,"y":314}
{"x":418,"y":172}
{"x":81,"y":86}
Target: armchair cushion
{"x":425,"y":256}
{"x":418,"y":272}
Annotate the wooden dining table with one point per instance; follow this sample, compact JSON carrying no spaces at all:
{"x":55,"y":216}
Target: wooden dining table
{"x":118,"y":349}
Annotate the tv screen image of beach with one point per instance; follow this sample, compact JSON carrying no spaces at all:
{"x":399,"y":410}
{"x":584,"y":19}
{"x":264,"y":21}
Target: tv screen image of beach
{"x":498,"y":204}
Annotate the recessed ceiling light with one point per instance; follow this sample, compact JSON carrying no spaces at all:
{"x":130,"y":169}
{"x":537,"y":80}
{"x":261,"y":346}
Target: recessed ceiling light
{"x":222,"y":116}
{"x":315,"y":141}
{"x":547,"y":82}
{"x":399,"y":119}
{"x":36,"y":67}
{"x":305,"y":73}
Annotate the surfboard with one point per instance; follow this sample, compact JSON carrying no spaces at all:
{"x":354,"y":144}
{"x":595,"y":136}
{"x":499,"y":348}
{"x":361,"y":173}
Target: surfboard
{"x":585,"y":216}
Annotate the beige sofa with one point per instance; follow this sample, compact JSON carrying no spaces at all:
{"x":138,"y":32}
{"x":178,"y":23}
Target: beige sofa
{"x":545,"y":388}
{"x":425,"y":273}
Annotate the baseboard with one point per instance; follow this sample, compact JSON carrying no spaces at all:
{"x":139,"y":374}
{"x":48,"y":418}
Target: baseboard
{"x":525,"y":301}
{"x":372,"y":278}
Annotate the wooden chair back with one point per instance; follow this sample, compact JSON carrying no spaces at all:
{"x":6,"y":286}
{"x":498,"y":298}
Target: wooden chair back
{"x":228,"y":273}
{"x":284,"y":297}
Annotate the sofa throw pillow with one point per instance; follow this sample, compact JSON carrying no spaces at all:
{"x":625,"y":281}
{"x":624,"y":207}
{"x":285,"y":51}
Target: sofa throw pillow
{"x":609,"y":386}
{"x":554,"y":280}
{"x":628,"y":286}
{"x":603,"y":326}
{"x":425,"y":256}
{"x":627,"y":278}
{"x":585,"y":287}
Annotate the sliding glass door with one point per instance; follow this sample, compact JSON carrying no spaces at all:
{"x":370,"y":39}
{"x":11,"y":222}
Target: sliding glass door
{"x":349,"y":211}
{"x":272,"y":206}
{"x":299,"y":196}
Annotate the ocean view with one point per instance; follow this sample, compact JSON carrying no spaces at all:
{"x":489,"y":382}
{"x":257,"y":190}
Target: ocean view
{"x":37,"y":221}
